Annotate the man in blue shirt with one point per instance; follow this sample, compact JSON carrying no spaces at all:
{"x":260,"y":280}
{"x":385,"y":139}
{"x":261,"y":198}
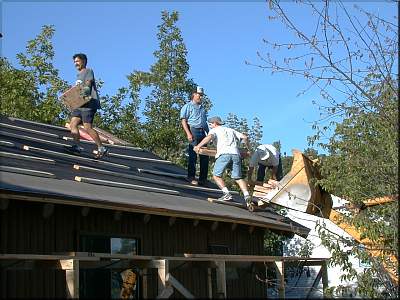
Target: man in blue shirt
{"x":194,"y":122}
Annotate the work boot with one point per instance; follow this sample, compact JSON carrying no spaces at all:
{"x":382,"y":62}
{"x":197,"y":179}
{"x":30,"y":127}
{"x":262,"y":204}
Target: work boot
{"x":101,"y":152}
{"x":226,"y":197}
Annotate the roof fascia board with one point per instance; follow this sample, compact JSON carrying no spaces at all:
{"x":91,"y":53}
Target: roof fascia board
{"x":146,"y":210}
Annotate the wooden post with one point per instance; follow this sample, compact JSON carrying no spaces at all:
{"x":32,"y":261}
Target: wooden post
{"x":165,"y":289}
{"x":209,"y":283}
{"x":146,"y":218}
{"x":179,"y":287}
{"x":71,"y":267}
{"x":281,"y":278}
{"x":324,"y":271}
{"x":144,"y":283}
{"x":221,"y":279}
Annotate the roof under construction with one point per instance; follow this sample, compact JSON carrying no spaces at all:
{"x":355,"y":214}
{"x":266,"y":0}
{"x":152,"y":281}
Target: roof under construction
{"x":35,"y":167}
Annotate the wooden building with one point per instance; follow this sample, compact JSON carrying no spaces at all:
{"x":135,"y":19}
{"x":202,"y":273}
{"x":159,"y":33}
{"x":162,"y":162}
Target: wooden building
{"x":128,"y":211}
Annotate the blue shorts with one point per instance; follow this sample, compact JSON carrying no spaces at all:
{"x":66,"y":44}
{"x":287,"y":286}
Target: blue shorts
{"x":223,"y":162}
{"x":86,"y":115}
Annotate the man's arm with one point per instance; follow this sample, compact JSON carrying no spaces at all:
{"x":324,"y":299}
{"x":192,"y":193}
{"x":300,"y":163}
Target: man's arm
{"x":246,"y":141}
{"x":187,"y":130}
{"x":203,"y":142}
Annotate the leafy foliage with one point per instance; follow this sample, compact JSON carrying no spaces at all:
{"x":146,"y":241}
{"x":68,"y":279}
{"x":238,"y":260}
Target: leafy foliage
{"x":350,"y":55}
{"x":169,"y":89}
{"x":32,"y":93}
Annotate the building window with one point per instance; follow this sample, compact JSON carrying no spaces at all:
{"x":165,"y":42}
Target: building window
{"x":106,"y":282}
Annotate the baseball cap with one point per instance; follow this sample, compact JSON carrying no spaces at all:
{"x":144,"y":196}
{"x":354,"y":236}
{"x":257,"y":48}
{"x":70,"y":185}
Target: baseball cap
{"x":216,"y":120}
{"x":199,"y":90}
{"x":264,"y":155}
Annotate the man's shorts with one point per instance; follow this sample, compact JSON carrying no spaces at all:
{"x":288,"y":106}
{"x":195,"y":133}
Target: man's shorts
{"x":86,"y":115}
{"x":222,"y":163}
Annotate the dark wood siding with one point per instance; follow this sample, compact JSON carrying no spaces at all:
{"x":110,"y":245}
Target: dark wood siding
{"x":25,"y":230}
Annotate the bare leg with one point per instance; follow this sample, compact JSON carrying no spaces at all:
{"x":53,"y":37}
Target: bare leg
{"x":75,"y":121}
{"x":242,"y":184}
{"x":219,"y":181}
{"x":93,"y":134}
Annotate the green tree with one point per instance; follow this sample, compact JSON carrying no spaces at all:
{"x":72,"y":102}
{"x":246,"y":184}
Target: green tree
{"x":33,"y":91}
{"x":350,"y":55}
{"x":120,"y":115}
{"x":169,"y":89}
{"x":17,"y":91}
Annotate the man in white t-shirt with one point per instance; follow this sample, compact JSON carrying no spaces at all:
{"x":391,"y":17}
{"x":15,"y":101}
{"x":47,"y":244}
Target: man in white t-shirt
{"x":227,"y":141}
{"x":265,"y":156}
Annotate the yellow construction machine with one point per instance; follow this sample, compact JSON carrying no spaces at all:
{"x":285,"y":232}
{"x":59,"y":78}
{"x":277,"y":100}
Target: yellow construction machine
{"x":298,"y":190}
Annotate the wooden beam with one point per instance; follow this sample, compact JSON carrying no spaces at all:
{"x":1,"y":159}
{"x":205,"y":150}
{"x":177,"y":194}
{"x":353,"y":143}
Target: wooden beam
{"x":179,"y":287}
{"x":117,"y":215}
{"x":315,"y":283}
{"x":145,"y":286}
{"x":166,"y":293}
{"x":251,"y":229}
{"x":165,"y":289}
{"x":146,"y":218}
{"x":233,"y":227}
{"x":85,"y":211}
{"x":171,"y":221}
{"x":214,"y":226}
{"x":146,"y":210}
{"x":48,"y":210}
{"x":279,"y":267}
{"x":325,"y":282}
{"x":209,"y":283}
{"x":71,"y":267}
{"x":221,"y":279}
{"x":4,"y":203}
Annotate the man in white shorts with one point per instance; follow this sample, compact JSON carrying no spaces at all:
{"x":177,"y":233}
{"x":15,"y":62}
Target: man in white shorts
{"x":228,"y":152}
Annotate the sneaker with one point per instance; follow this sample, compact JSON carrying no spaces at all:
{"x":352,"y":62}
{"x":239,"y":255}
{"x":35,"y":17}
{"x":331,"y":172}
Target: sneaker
{"x":101,"y":151}
{"x":226,"y":197}
{"x":75,"y":149}
{"x":248,"y":200}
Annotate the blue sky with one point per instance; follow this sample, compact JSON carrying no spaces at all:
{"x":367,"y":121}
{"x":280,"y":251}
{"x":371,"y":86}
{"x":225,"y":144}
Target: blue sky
{"x":219,"y":36}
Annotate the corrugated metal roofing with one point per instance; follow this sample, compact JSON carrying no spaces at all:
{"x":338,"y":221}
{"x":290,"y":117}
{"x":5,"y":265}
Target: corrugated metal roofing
{"x":34,"y":164}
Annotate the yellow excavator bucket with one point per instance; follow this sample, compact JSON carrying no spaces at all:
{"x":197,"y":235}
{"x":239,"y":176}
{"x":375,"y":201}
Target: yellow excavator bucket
{"x":298,"y":189}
